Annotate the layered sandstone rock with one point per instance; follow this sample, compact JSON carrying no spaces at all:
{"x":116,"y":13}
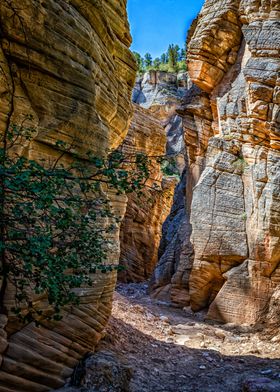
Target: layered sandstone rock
{"x":141,"y":227}
{"x":169,"y":96}
{"x":234,"y":56}
{"x":170,"y":281}
{"x":232,"y":185}
{"x":67,"y":64}
{"x":159,"y":90}
{"x":161,"y":93}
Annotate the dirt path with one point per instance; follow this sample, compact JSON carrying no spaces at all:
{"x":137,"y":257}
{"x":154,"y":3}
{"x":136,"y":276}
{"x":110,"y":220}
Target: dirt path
{"x":174,"y":350}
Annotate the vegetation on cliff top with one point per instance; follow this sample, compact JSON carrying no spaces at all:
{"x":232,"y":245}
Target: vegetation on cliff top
{"x":173,"y":60}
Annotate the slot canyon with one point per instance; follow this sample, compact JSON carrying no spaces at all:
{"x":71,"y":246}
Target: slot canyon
{"x":191,"y":298}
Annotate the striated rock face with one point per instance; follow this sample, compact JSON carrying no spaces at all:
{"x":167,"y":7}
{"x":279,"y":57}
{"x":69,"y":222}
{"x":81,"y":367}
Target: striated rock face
{"x":67,"y":64}
{"x":231,"y":129}
{"x":215,"y":42}
{"x":170,"y":280}
{"x":161,"y":93}
{"x":159,"y":90}
{"x":234,"y":56}
{"x":141,"y":227}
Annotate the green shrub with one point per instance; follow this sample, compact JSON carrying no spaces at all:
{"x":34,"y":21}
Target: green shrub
{"x":53,"y":221}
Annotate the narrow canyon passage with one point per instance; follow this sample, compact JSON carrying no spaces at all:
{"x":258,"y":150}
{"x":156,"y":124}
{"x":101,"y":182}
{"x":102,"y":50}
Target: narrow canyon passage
{"x":171,"y":349}
{"x":159,"y":269}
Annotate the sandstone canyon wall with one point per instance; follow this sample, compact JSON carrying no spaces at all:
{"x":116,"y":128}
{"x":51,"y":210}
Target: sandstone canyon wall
{"x":145,"y":214}
{"x":236,"y":204}
{"x":67,"y":64}
{"x":161,"y":93}
{"x":170,"y":280}
{"x":157,"y":130}
{"x":233,"y":182}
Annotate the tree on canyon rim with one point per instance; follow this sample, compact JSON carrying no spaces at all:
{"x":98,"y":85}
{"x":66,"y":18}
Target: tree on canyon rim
{"x":53,"y":221}
{"x":148,"y":60}
{"x":174,"y":60}
{"x":173,"y":56}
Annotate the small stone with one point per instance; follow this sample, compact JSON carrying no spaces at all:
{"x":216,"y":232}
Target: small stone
{"x":169,"y":331}
{"x":213,"y":349}
{"x":233,"y":339}
{"x":260,"y":384}
{"x":220,"y":334}
{"x":164,"y":319}
{"x":202,"y":367}
{"x":169,"y":340}
{"x":265,"y":372}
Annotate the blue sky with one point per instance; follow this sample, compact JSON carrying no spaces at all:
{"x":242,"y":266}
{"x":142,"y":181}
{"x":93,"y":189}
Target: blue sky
{"x":157,"y":23}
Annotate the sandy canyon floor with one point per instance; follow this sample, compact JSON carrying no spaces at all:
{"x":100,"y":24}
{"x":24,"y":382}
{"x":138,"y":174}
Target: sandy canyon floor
{"x":171,"y":349}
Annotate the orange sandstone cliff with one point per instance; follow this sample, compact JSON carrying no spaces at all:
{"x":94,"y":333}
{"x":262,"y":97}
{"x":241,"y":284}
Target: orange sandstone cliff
{"x":67,"y":64}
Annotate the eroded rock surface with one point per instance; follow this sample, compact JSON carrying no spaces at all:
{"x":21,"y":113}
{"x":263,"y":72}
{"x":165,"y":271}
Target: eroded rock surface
{"x":145,"y":214}
{"x":67,"y":64}
{"x":232,"y":134}
{"x":159,"y":90}
{"x":105,"y":371}
{"x":161,"y":93}
{"x":156,"y":96}
{"x":170,"y":281}
{"x":234,"y":57}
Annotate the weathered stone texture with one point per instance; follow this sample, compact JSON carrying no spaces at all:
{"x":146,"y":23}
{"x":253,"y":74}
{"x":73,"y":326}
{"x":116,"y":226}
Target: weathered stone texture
{"x":162,"y":92}
{"x":145,"y":214}
{"x":157,"y":90}
{"x":230,"y":113}
{"x":67,"y":64}
{"x":104,"y":371}
{"x":215,"y":42}
{"x":236,"y":205}
{"x":170,"y":280}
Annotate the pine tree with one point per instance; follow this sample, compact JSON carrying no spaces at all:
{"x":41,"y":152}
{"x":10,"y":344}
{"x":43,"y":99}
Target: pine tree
{"x":177,"y":52}
{"x":139,"y":61}
{"x":148,"y":60}
{"x":172,"y":57}
{"x":183,"y":54}
{"x":156,"y":63}
{"x":163,"y":58}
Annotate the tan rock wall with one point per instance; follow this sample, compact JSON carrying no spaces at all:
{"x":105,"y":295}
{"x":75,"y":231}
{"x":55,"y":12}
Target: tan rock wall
{"x":214,"y":45}
{"x":234,"y":56}
{"x":170,"y":280}
{"x":66,"y":63}
{"x":162,"y":92}
{"x":145,"y":214}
